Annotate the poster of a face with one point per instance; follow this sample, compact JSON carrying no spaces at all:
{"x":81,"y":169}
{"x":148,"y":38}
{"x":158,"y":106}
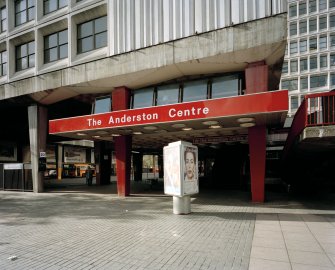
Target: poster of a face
{"x":190,"y":169}
{"x":172,"y":181}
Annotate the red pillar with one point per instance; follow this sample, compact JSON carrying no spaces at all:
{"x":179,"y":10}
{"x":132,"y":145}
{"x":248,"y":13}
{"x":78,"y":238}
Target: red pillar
{"x":121,"y":101}
{"x":257,"y":80}
{"x":257,"y":152}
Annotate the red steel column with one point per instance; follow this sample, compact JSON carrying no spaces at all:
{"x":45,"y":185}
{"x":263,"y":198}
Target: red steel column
{"x":257,"y":80}
{"x":257,"y":152}
{"x":121,"y":101}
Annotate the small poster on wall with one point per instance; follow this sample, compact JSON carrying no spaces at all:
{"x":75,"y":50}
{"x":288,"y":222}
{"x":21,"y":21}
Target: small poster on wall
{"x":8,"y":151}
{"x":74,"y":154}
{"x":172,"y":176}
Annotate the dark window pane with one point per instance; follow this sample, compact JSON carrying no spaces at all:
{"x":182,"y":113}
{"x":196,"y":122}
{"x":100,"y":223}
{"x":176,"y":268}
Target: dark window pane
{"x":24,"y":63}
{"x":167,"y":94}
{"x":195,"y":91}
{"x":31,"y":46}
{"x":31,"y":14}
{"x":85,"y":44}
{"x":31,"y":3}
{"x":51,"y":41}
{"x":101,"y":40}
{"x":22,"y":51}
{"x":62,"y":36}
{"x":52,"y":54}
{"x":20,"y":5}
{"x":225,"y":86}
{"x":102,"y":105}
{"x":85,"y":29}
{"x":100,"y":24}
{"x":20,"y":18}
{"x":32,"y":60}
{"x":4,"y":69}
{"x":143,"y":98}
{"x":63,"y":51}
{"x":62,"y":3}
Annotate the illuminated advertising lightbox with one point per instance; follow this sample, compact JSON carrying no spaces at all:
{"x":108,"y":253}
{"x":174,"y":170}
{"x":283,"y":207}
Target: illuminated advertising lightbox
{"x":180,"y":169}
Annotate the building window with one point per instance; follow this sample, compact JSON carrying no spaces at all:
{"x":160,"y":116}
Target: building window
{"x":322,"y":5}
{"x":303,"y":46}
{"x":293,"y":10}
{"x":312,"y":24}
{"x":303,"y":64}
{"x":143,"y":98}
{"x":332,"y":79}
{"x":53,"y":5}
{"x":3,"y":63}
{"x":323,"y":42}
{"x":302,"y":8}
{"x":313,"y":62}
{"x":55,"y":46}
{"x":323,"y":61}
{"x":226,"y":86}
{"x":193,"y":91}
{"x":318,"y":81}
{"x":285,"y":68}
{"x":303,"y":27}
{"x":331,"y":3}
{"x":92,"y":35}
{"x":331,"y":20}
{"x":293,"y":47}
{"x":322,"y":23}
{"x":313,"y":45}
{"x":332,"y":60}
{"x":294,"y":102}
{"x":303,"y":83}
{"x":312,"y":6}
{"x":294,"y":66}
{"x":25,"y":56}
{"x":290,"y":84}
{"x":102,"y":104}
{"x":3,"y":19}
{"x":24,"y":11}
{"x":167,"y":94}
{"x":332,"y":40}
{"x":293,"y":28}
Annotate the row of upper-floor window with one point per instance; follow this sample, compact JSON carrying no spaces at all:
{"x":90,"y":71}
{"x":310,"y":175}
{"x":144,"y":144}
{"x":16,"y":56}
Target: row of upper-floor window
{"x":309,"y":82}
{"x":312,"y":25}
{"x":311,"y":44}
{"x":309,"y":63}
{"x":309,"y":7}
{"x":91,"y":35}
{"x":215,"y":87}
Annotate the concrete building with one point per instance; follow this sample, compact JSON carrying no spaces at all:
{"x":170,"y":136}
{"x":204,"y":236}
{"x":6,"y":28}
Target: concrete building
{"x":310,"y":53}
{"x":213,"y":65}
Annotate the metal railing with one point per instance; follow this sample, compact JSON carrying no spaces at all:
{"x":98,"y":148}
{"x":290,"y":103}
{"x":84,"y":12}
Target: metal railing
{"x":315,"y":110}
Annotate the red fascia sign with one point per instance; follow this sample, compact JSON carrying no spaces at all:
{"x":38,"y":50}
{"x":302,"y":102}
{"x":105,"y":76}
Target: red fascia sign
{"x":265,"y":102}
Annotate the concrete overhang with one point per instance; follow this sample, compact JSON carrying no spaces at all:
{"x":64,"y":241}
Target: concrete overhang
{"x":224,"y":50}
{"x":155,"y":127}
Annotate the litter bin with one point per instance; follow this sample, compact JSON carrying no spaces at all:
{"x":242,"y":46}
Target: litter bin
{"x":89,"y":176}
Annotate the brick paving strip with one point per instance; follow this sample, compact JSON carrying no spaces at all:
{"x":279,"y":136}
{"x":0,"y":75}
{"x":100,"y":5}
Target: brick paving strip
{"x":101,"y":231}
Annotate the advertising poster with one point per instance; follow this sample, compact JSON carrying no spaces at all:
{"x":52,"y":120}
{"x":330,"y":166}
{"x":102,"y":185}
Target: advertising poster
{"x":172,"y":175}
{"x":74,"y":154}
{"x":190,"y":170}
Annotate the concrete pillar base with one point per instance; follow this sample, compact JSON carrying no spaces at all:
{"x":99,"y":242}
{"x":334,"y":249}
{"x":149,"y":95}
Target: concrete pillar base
{"x":181,"y":205}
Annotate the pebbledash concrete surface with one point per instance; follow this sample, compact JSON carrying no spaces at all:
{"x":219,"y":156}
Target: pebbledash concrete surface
{"x":88,"y":228}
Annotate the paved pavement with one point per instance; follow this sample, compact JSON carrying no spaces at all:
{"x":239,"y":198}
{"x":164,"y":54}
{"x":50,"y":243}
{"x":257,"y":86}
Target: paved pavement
{"x":75,"y":227}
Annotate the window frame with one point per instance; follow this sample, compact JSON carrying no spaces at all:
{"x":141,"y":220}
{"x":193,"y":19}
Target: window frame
{"x":58,"y":46}
{"x":58,"y":6}
{"x":3,"y":71}
{"x":25,"y":11}
{"x":93,"y":35}
{"x":28,"y":56}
